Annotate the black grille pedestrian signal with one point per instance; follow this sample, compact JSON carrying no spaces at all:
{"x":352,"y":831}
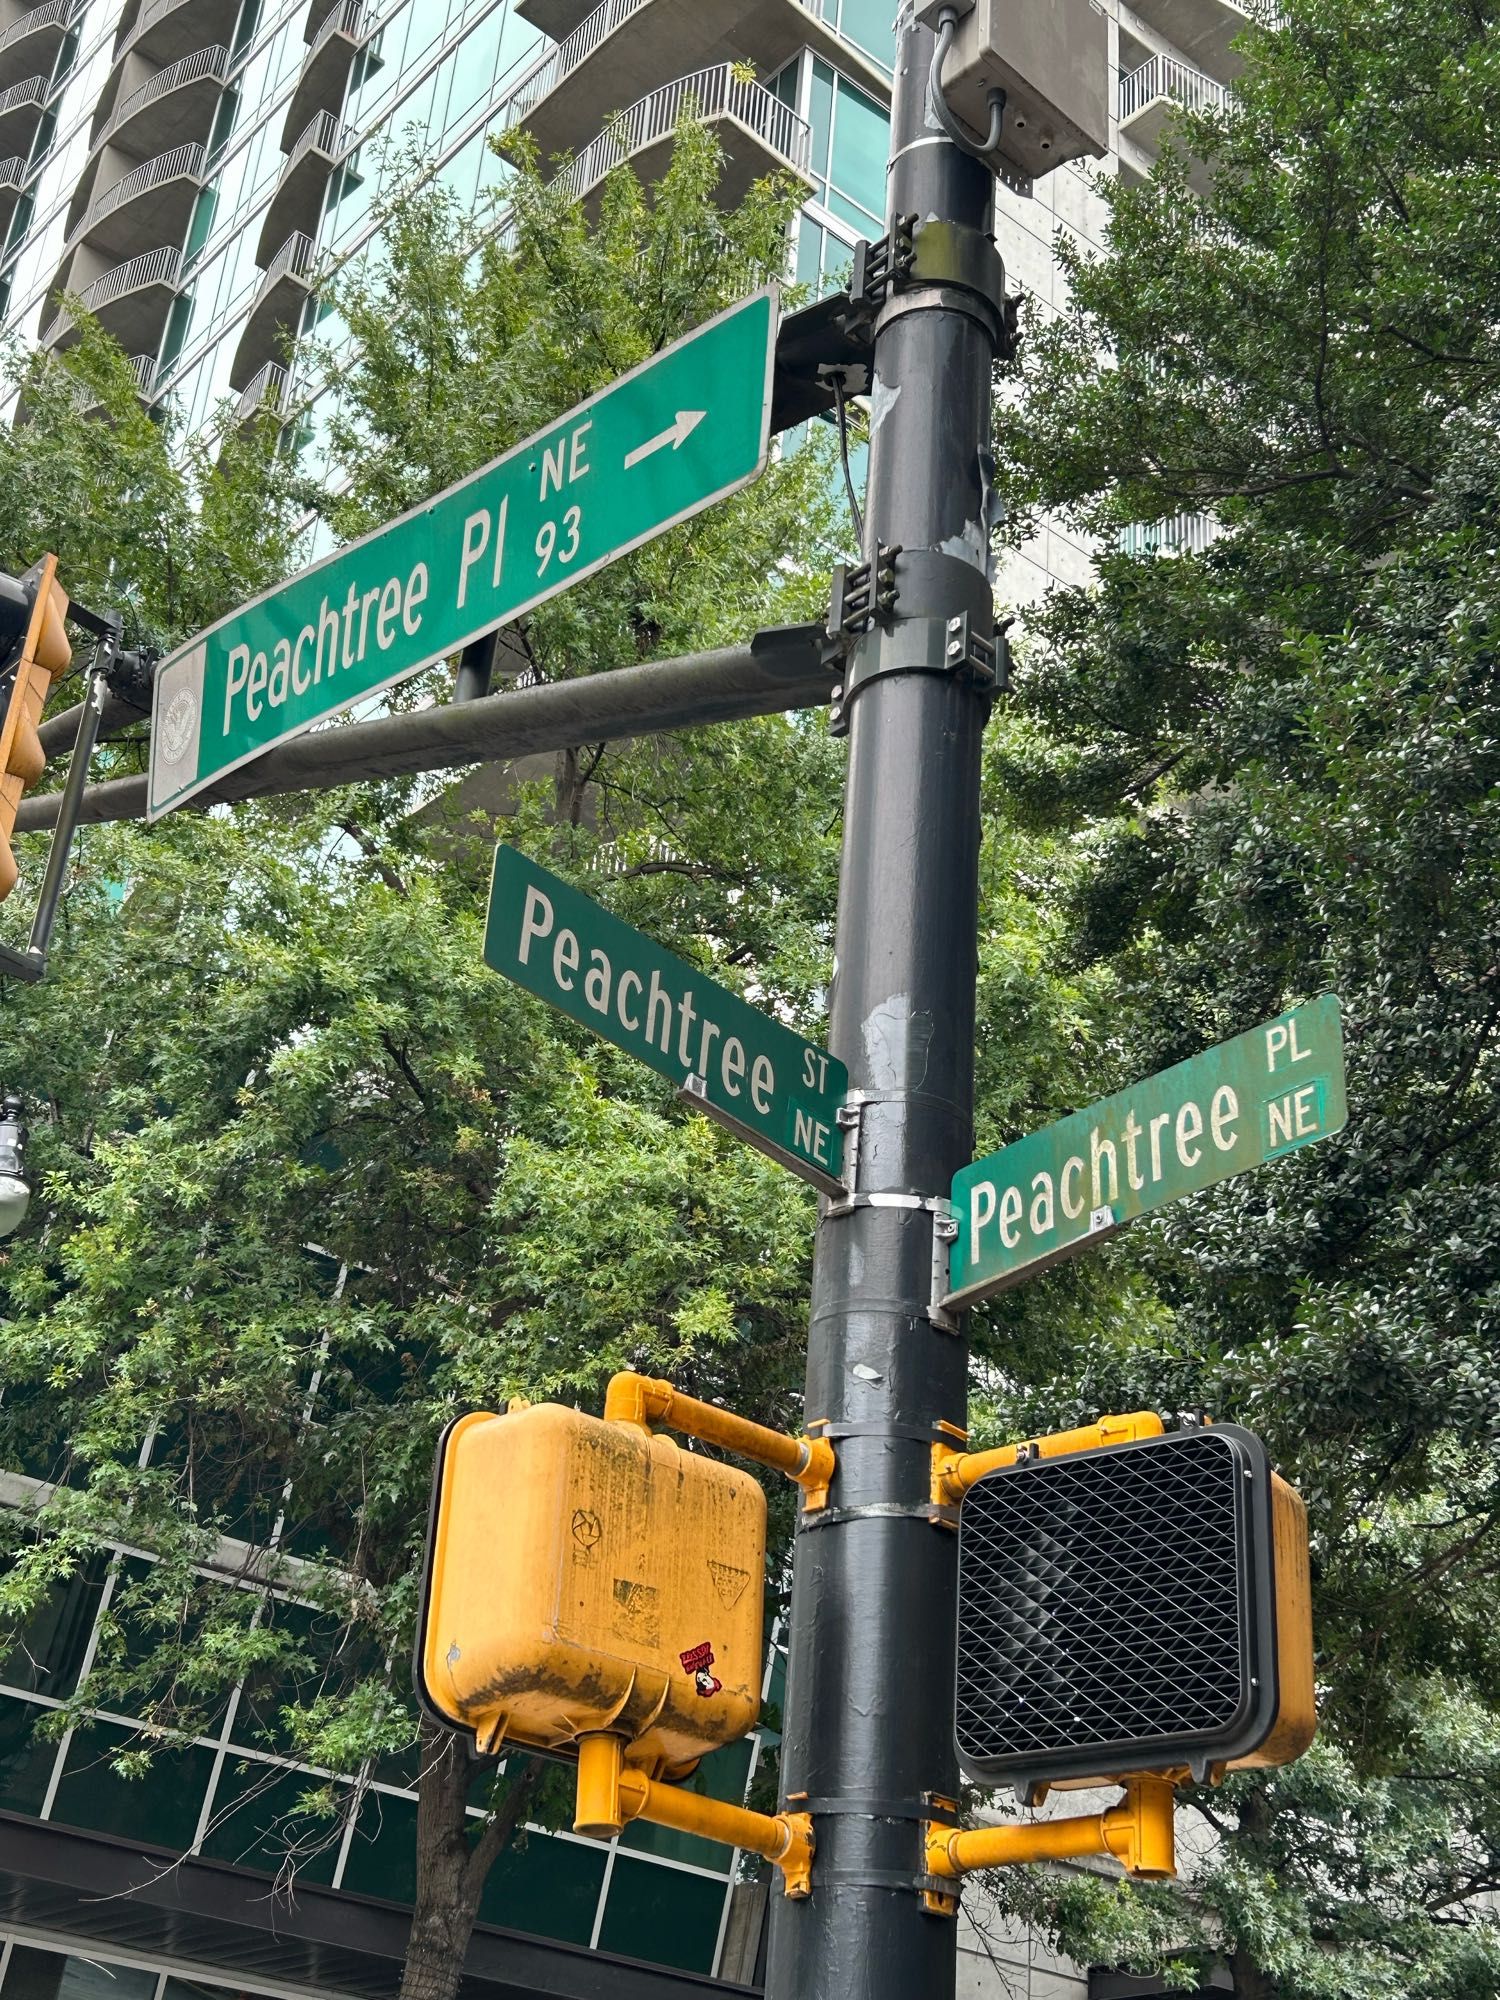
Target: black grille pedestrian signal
{"x":1138,"y":1608}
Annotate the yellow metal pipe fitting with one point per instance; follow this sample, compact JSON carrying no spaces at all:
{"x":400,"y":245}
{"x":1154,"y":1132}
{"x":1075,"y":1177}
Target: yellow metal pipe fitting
{"x":1138,"y":1832}
{"x":954,"y":1472}
{"x":638,"y":1399}
{"x":612,"y":1793}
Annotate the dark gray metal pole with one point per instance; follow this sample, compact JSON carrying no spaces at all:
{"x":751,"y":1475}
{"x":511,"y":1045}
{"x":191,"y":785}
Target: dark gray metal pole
{"x":868,"y":1719}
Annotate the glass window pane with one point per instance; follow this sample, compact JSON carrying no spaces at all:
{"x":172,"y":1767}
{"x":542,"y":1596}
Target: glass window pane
{"x":56,"y":1975}
{"x":869,"y":25}
{"x":161,"y":1808}
{"x":255,"y":1822}
{"x":383,"y":1854}
{"x":46,"y":1655}
{"x":323,"y":1654}
{"x":26,"y":1759}
{"x":857,"y":218}
{"x":548,"y":1887}
{"x":820,"y":113}
{"x":861,"y":141}
{"x":662,"y":1915}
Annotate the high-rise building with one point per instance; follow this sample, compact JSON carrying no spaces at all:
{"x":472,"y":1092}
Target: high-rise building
{"x":188,"y":168}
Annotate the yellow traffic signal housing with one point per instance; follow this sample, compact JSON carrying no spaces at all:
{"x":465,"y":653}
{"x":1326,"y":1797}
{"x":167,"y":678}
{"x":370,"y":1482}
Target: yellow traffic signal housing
{"x":1140,"y":1609}
{"x":585,"y":1576}
{"x":37,"y":658}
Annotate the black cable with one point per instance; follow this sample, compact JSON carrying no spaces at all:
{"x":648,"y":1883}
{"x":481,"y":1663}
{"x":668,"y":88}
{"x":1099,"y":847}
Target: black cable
{"x":843,"y":415}
{"x":951,"y":123}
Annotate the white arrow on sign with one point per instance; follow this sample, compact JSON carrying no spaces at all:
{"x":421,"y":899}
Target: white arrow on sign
{"x":687,"y":422}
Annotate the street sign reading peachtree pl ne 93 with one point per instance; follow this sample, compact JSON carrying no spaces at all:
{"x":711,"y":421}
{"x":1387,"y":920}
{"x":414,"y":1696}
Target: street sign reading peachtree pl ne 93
{"x":738,"y":1065}
{"x":681,"y":431}
{"x":1048,"y":1196}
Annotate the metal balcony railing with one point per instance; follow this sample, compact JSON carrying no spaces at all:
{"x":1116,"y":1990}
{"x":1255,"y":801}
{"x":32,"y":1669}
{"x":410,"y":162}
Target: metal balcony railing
{"x":13,"y":171}
{"x":32,"y":91}
{"x":348,"y":18}
{"x":717,"y":92}
{"x":142,"y":367}
{"x":212,"y":63}
{"x":711,"y":93}
{"x":51,"y":14}
{"x":1182,"y":534}
{"x":183,"y":162}
{"x":265,"y":390}
{"x":324,"y":133}
{"x":295,"y":258}
{"x":534,"y":80}
{"x":152,"y":267}
{"x":1163,"y":77}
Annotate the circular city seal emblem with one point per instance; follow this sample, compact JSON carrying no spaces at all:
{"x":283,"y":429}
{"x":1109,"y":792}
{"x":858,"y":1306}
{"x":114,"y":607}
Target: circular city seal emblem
{"x":179,"y":724}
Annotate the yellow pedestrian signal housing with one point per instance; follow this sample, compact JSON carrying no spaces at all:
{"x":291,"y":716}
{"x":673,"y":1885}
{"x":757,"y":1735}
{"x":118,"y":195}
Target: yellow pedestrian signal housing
{"x":1140,"y":1609}
{"x":586,"y":1576}
{"x":36,"y":651}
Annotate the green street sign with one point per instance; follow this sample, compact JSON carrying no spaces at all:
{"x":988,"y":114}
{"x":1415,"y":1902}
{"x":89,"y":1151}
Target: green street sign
{"x":737,"y":1065}
{"x":683,"y":430}
{"x":1049,"y":1196}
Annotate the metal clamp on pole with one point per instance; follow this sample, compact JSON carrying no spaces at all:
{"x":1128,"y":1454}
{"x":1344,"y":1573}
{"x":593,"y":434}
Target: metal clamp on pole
{"x":899,"y":617}
{"x":954,"y":1472}
{"x":881,"y":267}
{"x":958,"y":269}
{"x":639,"y":1399}
{"x":611,"y":1793}
{"x":1138,"y":1833}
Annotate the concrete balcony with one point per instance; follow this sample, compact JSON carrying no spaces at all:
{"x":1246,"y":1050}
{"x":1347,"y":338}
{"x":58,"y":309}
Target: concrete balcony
{"x":20,"y":114}
{"x":1202,"y":29}
{"x":325,"y":68}
{"x":757,"y":131}
{"x":1151,"y":99}
{"x":264,"y":395}
{"x":624,"y":47}
{"x":12,"y":180}
{"x":29,"y":46}
{"x":131,"y":302}
{"x":171,"y":108}
{"x":297,"y":204}
{"x":317,"y":13}
{"x":555,"y":18}
{"x":151,"y":201}
{"x":142,"y":367}
{"x":275,"y":310}
{"x":163,"y":31}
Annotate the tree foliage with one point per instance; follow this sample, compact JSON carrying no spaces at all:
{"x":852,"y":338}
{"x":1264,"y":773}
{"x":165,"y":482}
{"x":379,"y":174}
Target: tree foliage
{"x":312,"y":1179}
{"x":1267,"y":771}
{"x":168,"y":529}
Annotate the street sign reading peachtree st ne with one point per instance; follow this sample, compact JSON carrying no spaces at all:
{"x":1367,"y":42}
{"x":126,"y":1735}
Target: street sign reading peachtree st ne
{"x":1048,"y":1196}
{"x":681,"y":431}
{"x":739,"y":1065}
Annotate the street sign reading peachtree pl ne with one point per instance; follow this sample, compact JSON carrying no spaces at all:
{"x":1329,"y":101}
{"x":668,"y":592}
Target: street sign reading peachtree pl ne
{"x":681,"y":431}
{"x":1048,"y":1196}
{"x":738,"y":1065}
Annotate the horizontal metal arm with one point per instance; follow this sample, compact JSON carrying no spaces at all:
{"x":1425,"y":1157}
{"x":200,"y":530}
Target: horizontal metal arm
{"x":778,"y":670}
{"x":610,"y":1793}
{"x":1138,"y":1833}
{"x":638,"y":1399}
{"x":954,"y":1472}
{"x":60,"y":732}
